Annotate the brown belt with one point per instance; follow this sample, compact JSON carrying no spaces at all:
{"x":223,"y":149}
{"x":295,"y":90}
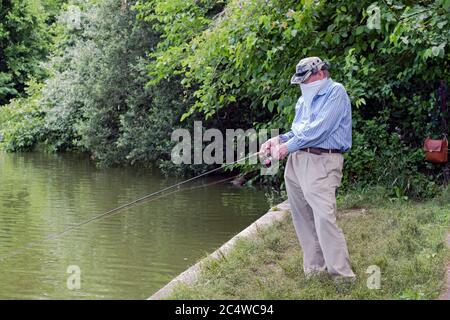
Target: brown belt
{"x":320,"y":150}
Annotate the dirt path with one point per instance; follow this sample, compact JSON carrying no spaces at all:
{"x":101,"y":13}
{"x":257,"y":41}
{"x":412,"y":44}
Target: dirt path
{"x":446,"y":294}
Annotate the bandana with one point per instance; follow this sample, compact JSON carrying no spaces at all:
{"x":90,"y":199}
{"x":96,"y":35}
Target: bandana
{"x":309,"y":90}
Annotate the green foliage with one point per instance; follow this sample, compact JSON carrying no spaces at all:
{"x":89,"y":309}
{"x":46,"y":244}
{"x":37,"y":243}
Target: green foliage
{"x":380,"y":157}
{"x":21,"y":121}
{"x":95,"y":79}
{"x":96,"y":99}
{"x":177,"y":22}
{"x":123,"y":75}
{"x":24,"y":42}
{"x":389,"y":55}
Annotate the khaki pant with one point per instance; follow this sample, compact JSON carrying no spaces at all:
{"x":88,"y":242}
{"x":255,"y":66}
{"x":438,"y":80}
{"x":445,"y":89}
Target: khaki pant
{"x":311,"y":182}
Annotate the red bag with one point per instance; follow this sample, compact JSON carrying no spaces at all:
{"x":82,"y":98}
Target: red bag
{"x":436,"y":151}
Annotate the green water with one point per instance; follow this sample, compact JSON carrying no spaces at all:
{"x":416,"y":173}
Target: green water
{"x":126,"y":256}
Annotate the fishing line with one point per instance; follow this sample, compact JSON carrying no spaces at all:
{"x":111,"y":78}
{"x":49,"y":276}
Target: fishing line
{"x":129,"y":205}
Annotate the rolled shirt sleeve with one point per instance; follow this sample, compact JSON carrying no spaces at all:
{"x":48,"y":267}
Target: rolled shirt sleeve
{"x":286,"y":136}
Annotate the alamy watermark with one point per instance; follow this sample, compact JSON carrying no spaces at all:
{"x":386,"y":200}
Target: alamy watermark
{"x":374,"y":279}
{"x":71,"y":18}
{"x":74,"y":278}
{"x":212,"y":146}
{"x":374,"y":17}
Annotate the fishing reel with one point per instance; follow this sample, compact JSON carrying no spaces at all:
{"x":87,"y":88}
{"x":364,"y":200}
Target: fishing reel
{"x":266,"y":160}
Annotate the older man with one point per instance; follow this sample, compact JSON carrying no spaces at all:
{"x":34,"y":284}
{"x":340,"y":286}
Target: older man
{"x":320,"y":133}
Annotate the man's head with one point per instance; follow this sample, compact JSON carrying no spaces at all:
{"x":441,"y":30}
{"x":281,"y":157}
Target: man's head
{"x":309,"y":70}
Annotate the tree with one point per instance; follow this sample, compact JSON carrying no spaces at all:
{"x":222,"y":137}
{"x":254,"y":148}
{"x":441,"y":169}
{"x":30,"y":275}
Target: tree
{"x":24,"y":40}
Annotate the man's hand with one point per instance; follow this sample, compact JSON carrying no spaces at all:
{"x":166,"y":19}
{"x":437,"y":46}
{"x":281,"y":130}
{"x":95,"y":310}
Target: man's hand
{"x":279,"y":152}
{"x":266,"y":147}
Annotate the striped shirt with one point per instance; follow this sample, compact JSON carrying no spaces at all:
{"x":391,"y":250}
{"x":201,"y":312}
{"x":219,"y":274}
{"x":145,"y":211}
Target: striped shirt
{"x":326,"y":124}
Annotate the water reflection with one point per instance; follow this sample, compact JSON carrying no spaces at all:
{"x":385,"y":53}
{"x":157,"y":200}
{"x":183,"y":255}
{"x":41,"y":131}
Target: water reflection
{"x":127,"y":256}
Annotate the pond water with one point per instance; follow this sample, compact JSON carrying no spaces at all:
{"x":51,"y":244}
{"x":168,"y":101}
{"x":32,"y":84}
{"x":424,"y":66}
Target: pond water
{"x":129,"y":255}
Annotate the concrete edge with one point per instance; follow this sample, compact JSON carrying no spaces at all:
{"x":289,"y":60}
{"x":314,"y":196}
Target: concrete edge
{"x":189,"y":276}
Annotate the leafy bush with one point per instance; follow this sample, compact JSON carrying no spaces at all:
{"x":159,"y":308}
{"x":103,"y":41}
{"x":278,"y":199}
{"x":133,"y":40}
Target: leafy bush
{"x":95,"y":80}
{"x":25,"y":40}
{"x":243,"y":59}
{"x":21,"y":121}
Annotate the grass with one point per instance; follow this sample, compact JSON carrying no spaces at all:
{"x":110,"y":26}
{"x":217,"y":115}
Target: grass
{"x":405,"y":239}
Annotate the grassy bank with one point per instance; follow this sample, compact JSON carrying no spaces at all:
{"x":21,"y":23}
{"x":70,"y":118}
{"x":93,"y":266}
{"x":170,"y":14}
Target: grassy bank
{"x":405,"y":239}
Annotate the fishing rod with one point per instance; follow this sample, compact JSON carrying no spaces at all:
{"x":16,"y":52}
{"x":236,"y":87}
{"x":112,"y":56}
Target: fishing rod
{"x":131,"y":204}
